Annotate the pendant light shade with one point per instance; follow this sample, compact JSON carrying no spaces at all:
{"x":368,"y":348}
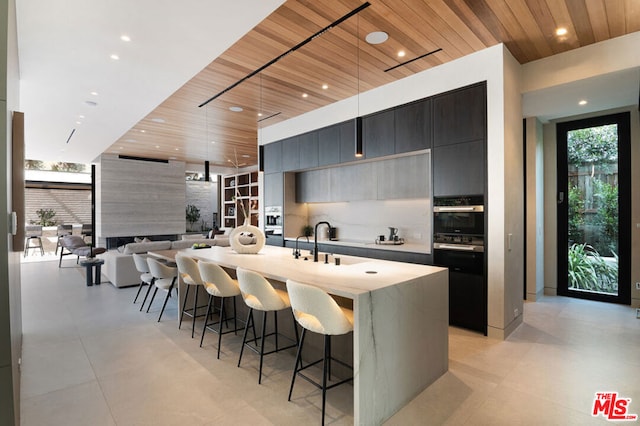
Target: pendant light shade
{"x":206,"y":171}
{"x":359,"y":150}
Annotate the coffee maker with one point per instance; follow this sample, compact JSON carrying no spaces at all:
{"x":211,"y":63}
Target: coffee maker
{"x":393,"y":234}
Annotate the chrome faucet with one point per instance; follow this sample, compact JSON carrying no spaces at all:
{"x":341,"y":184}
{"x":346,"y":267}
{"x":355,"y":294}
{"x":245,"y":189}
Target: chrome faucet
{"x":315,"y":239}
{"x":296,"y":251}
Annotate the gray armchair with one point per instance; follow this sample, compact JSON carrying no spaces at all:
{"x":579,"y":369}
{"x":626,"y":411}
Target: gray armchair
{"x":74,"y":244}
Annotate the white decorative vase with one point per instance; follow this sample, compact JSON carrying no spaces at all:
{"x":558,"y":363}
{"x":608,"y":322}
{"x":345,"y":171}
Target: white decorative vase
{"x":247,"y":239}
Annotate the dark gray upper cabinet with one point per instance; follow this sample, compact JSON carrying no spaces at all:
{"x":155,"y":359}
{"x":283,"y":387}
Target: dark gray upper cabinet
{"x":336,"y":144}
{"x":291,"y":153}
{"x":460,"y":116}
{"x":273,"y":157}
{"x":308,"y":150}
{"x":413,"y":126}
{"x":329,"y":145}
{"x":273,"y":189}
{"x":459,"y":169}
{"x":378,"y":132}
{"x":347,"y":131}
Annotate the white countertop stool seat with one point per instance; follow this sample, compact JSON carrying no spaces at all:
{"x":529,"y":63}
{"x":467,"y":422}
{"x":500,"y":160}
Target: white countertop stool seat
{"x":164,"y":277}
{"x":315,"y":310}
{"x":146,"y":278}
{"x":259,"y":294}
{"x":190,"y":274}
{"x":218,"y":284}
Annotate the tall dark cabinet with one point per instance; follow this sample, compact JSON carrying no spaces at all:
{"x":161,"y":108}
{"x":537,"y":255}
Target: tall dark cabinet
{"x":459,"y":141}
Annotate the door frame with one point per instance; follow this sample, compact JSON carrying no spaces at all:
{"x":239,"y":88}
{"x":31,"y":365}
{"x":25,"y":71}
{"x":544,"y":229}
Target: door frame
{"x":623,"y":121}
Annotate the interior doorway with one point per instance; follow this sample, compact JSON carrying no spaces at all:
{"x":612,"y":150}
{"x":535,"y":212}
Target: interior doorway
{"x":594,"y":199}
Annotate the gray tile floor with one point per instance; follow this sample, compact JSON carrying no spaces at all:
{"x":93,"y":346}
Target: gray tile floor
{"x":91,"y":358}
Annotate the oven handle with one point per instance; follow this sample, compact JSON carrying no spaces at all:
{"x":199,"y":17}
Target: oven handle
{"x":454,"y":209}
{"x":459,"y":247}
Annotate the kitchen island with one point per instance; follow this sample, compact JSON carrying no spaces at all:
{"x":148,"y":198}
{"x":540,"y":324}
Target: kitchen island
{"x":400,"y":337}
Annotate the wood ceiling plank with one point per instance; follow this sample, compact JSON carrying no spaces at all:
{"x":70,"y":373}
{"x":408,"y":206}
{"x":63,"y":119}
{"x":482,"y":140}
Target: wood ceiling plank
{"x":488,"y":16}
{"x":632,"y":15}
{"x":616,"y":17}
{"x":544,"y":19}
{"x":536,"y":36}
{"x":598,"y":19}
{"x":581,"y":22}
{"x":562,"y":17}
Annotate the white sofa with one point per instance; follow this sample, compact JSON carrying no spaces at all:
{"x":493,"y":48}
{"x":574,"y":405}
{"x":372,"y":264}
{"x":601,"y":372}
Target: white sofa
{"x":120,"y":269}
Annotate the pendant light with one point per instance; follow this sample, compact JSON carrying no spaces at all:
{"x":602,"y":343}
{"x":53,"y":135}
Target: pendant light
{"x":358,"y":125}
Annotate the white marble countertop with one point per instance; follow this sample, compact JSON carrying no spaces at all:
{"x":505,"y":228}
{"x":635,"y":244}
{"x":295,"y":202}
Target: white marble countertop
{"x":406,"y":247}
{"x":352,"y":277}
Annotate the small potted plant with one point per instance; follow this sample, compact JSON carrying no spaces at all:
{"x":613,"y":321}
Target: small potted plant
{"x":307,"y":230}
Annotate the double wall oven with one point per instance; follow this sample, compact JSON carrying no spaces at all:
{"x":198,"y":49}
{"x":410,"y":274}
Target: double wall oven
{"x":458,"y":244}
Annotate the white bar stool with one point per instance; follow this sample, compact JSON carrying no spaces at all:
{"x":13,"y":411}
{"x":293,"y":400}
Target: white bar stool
{"x":259,"y":294}
{"x":164,"y":277}
{"x":190,"y":274}
{"x":218,"y":284}
{"x":146,"y":278}
{"x":317,"y":312}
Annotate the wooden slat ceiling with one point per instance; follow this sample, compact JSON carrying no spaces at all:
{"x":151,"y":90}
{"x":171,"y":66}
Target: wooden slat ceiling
{"x":341,"y":59}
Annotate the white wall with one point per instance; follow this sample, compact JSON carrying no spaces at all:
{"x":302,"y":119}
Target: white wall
{"x":535,"y":209}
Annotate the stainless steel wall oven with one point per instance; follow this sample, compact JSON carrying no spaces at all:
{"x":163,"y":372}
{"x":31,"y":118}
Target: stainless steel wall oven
{"x":458,"y":244}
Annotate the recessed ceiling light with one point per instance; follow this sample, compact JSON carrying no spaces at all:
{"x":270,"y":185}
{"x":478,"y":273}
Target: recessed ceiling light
{"x":376,"y":37}
{"x":91,"y":103}
{"x":94,"y":93}
{"x":246,"y":156}
{"x":143,"y":131}
{"x":401,"y":54}
{"x":213,"y":141}
{"x":325,"y":86}
{"x":158,"y":120}
{"x":259,"y":114}
{"x":236,"y":109}
{"x":122,"y":147}
{"x":561,"y":31}
{"x":125,"y":37}
{"x":177,"y":149}
{"x":582,"y":102}
{"x":305,"y":95}
{"x":115,"y":57}
{"x":157,"y":146}
{"x":81,"y":116}
{"x":78,"y":122}
{"x":129,"y":140}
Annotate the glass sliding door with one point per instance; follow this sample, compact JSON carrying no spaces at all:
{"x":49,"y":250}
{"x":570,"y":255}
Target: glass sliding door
{"x":593,"y":208}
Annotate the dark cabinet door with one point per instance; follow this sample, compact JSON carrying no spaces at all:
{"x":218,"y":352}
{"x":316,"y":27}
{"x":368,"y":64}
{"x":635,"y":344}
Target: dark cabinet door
{"x":329,"y":145}
{"x":467,"y":301}
{"x":347,"y":130}
{"x":308,"y":150}
{"x":291,"y":154}
{"x":273,"y":189}
{"x":460,"y":116}
{"x":272,"y":157}
{"x":413,"y":126}
{"x":459,"y":169}
{"x":379,"y":134}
